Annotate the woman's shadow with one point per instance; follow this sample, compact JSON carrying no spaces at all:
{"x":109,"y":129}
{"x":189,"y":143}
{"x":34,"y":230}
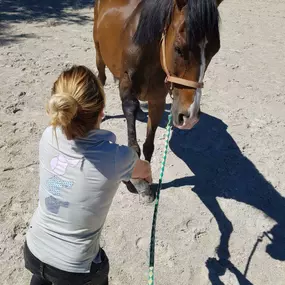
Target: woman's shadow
{"x":221,"y":170}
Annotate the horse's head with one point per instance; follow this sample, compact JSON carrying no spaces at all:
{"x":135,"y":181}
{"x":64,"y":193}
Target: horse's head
{"x":190,"y":40}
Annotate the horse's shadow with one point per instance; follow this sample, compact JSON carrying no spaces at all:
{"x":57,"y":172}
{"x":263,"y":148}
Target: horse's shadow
{"x":221,"y":170}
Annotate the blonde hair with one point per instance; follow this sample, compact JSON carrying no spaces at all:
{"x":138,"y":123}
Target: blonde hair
{"x":76,"y":102}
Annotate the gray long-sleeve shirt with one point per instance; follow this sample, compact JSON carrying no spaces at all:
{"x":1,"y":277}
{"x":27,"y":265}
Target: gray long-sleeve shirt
{"x":78,"y":180}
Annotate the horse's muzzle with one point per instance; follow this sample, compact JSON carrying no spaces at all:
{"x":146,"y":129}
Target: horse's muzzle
{"x":187,"y":123}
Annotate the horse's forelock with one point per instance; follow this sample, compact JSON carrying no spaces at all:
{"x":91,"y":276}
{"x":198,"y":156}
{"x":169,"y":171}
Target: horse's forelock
{"x":202,"y":21}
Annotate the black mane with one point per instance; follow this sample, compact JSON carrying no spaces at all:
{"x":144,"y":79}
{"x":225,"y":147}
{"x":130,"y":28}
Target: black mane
{"x":202,"y":20}
{"x":152,"y":20}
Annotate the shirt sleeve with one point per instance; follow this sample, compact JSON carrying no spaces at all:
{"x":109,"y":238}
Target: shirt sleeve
{"x":125,"y":161}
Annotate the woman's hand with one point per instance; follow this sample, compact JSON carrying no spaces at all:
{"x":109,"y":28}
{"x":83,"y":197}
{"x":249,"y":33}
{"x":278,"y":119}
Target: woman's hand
{"x":142,"y":170}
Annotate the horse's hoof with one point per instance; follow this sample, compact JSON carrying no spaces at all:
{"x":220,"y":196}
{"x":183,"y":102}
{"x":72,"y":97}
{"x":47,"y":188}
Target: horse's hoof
{"x":130,"y":187}
{"x":146,"y":200}
{"x":144,"y":190}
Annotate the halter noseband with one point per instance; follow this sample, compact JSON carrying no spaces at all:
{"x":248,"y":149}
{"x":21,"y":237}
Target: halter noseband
{"x":174,"y":79}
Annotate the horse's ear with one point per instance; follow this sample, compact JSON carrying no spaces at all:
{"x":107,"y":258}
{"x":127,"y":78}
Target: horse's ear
{"x":182,"y":3}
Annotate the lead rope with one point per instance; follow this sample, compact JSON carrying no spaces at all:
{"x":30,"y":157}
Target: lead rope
{"x":153,"y":228}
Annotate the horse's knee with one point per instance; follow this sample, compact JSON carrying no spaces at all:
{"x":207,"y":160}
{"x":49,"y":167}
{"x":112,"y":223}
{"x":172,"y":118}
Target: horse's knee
{"x":130,"y":106}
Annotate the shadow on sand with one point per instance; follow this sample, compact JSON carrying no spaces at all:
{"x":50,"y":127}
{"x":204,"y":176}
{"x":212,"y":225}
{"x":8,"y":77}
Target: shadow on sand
{"x":17,"y":11}
{"x":221,"y":170}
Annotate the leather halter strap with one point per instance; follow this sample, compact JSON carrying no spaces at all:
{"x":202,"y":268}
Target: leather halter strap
{"x":174,"y":79}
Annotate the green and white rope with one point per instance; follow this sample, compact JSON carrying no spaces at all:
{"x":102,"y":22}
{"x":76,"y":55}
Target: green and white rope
{"x":153,"y":229}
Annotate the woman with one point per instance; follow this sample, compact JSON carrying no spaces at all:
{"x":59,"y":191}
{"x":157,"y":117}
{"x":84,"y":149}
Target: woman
{"x":81,"y":167}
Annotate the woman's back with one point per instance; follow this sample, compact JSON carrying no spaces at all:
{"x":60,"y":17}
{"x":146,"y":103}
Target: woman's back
{"x":81,"y":167}
{"x":78,"y":180}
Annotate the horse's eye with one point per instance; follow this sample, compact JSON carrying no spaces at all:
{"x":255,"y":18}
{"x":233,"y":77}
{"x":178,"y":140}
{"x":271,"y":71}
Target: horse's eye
{"x":178,"y":50}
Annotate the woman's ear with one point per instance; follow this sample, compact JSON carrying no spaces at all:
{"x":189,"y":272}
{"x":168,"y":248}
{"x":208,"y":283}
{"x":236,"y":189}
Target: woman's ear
{"x":100,"y":119}
{"x":102,"y":114}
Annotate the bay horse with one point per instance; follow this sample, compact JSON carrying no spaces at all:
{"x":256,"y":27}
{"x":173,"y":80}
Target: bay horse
{"x":154,"y":47}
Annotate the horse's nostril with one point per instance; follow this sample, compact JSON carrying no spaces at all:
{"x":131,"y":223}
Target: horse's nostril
{"x":181,"y":119}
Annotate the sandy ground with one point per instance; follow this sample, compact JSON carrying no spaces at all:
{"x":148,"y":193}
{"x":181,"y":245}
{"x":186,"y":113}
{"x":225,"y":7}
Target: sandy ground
{"x":224,"y":184}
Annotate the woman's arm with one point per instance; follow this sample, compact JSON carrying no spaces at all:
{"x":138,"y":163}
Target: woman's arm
{"x":142,"y":170}
{"x":128,"y":165}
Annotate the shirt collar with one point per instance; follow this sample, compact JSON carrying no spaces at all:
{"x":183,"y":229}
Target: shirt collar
{"x":101,"y":135}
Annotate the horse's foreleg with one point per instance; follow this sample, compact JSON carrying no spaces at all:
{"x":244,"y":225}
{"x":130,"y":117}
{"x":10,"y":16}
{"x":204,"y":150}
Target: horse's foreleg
{"x":130,"y":105}
{"x":100,"y":64}
{"x":155,"y":109}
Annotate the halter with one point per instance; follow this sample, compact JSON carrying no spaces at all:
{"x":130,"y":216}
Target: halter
{"x":173,"y":79}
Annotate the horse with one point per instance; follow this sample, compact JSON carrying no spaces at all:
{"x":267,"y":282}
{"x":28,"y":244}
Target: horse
{"x":156,"y":47}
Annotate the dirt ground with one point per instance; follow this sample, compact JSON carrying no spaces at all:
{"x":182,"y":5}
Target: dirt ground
{"x":222,"y":213}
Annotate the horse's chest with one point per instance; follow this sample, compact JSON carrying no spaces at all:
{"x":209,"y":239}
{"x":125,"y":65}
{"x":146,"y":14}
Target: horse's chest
{"x":153,"y":80}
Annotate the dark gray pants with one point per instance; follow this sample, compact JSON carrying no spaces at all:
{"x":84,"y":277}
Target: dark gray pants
{"x":44,"y":274}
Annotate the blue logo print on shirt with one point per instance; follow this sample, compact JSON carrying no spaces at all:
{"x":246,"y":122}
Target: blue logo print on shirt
{"x":54,"y":204}
{"x":55,"y":184}
{"x":54,"y":187}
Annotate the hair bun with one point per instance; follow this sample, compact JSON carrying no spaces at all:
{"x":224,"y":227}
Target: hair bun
{"x":62,"y":108}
